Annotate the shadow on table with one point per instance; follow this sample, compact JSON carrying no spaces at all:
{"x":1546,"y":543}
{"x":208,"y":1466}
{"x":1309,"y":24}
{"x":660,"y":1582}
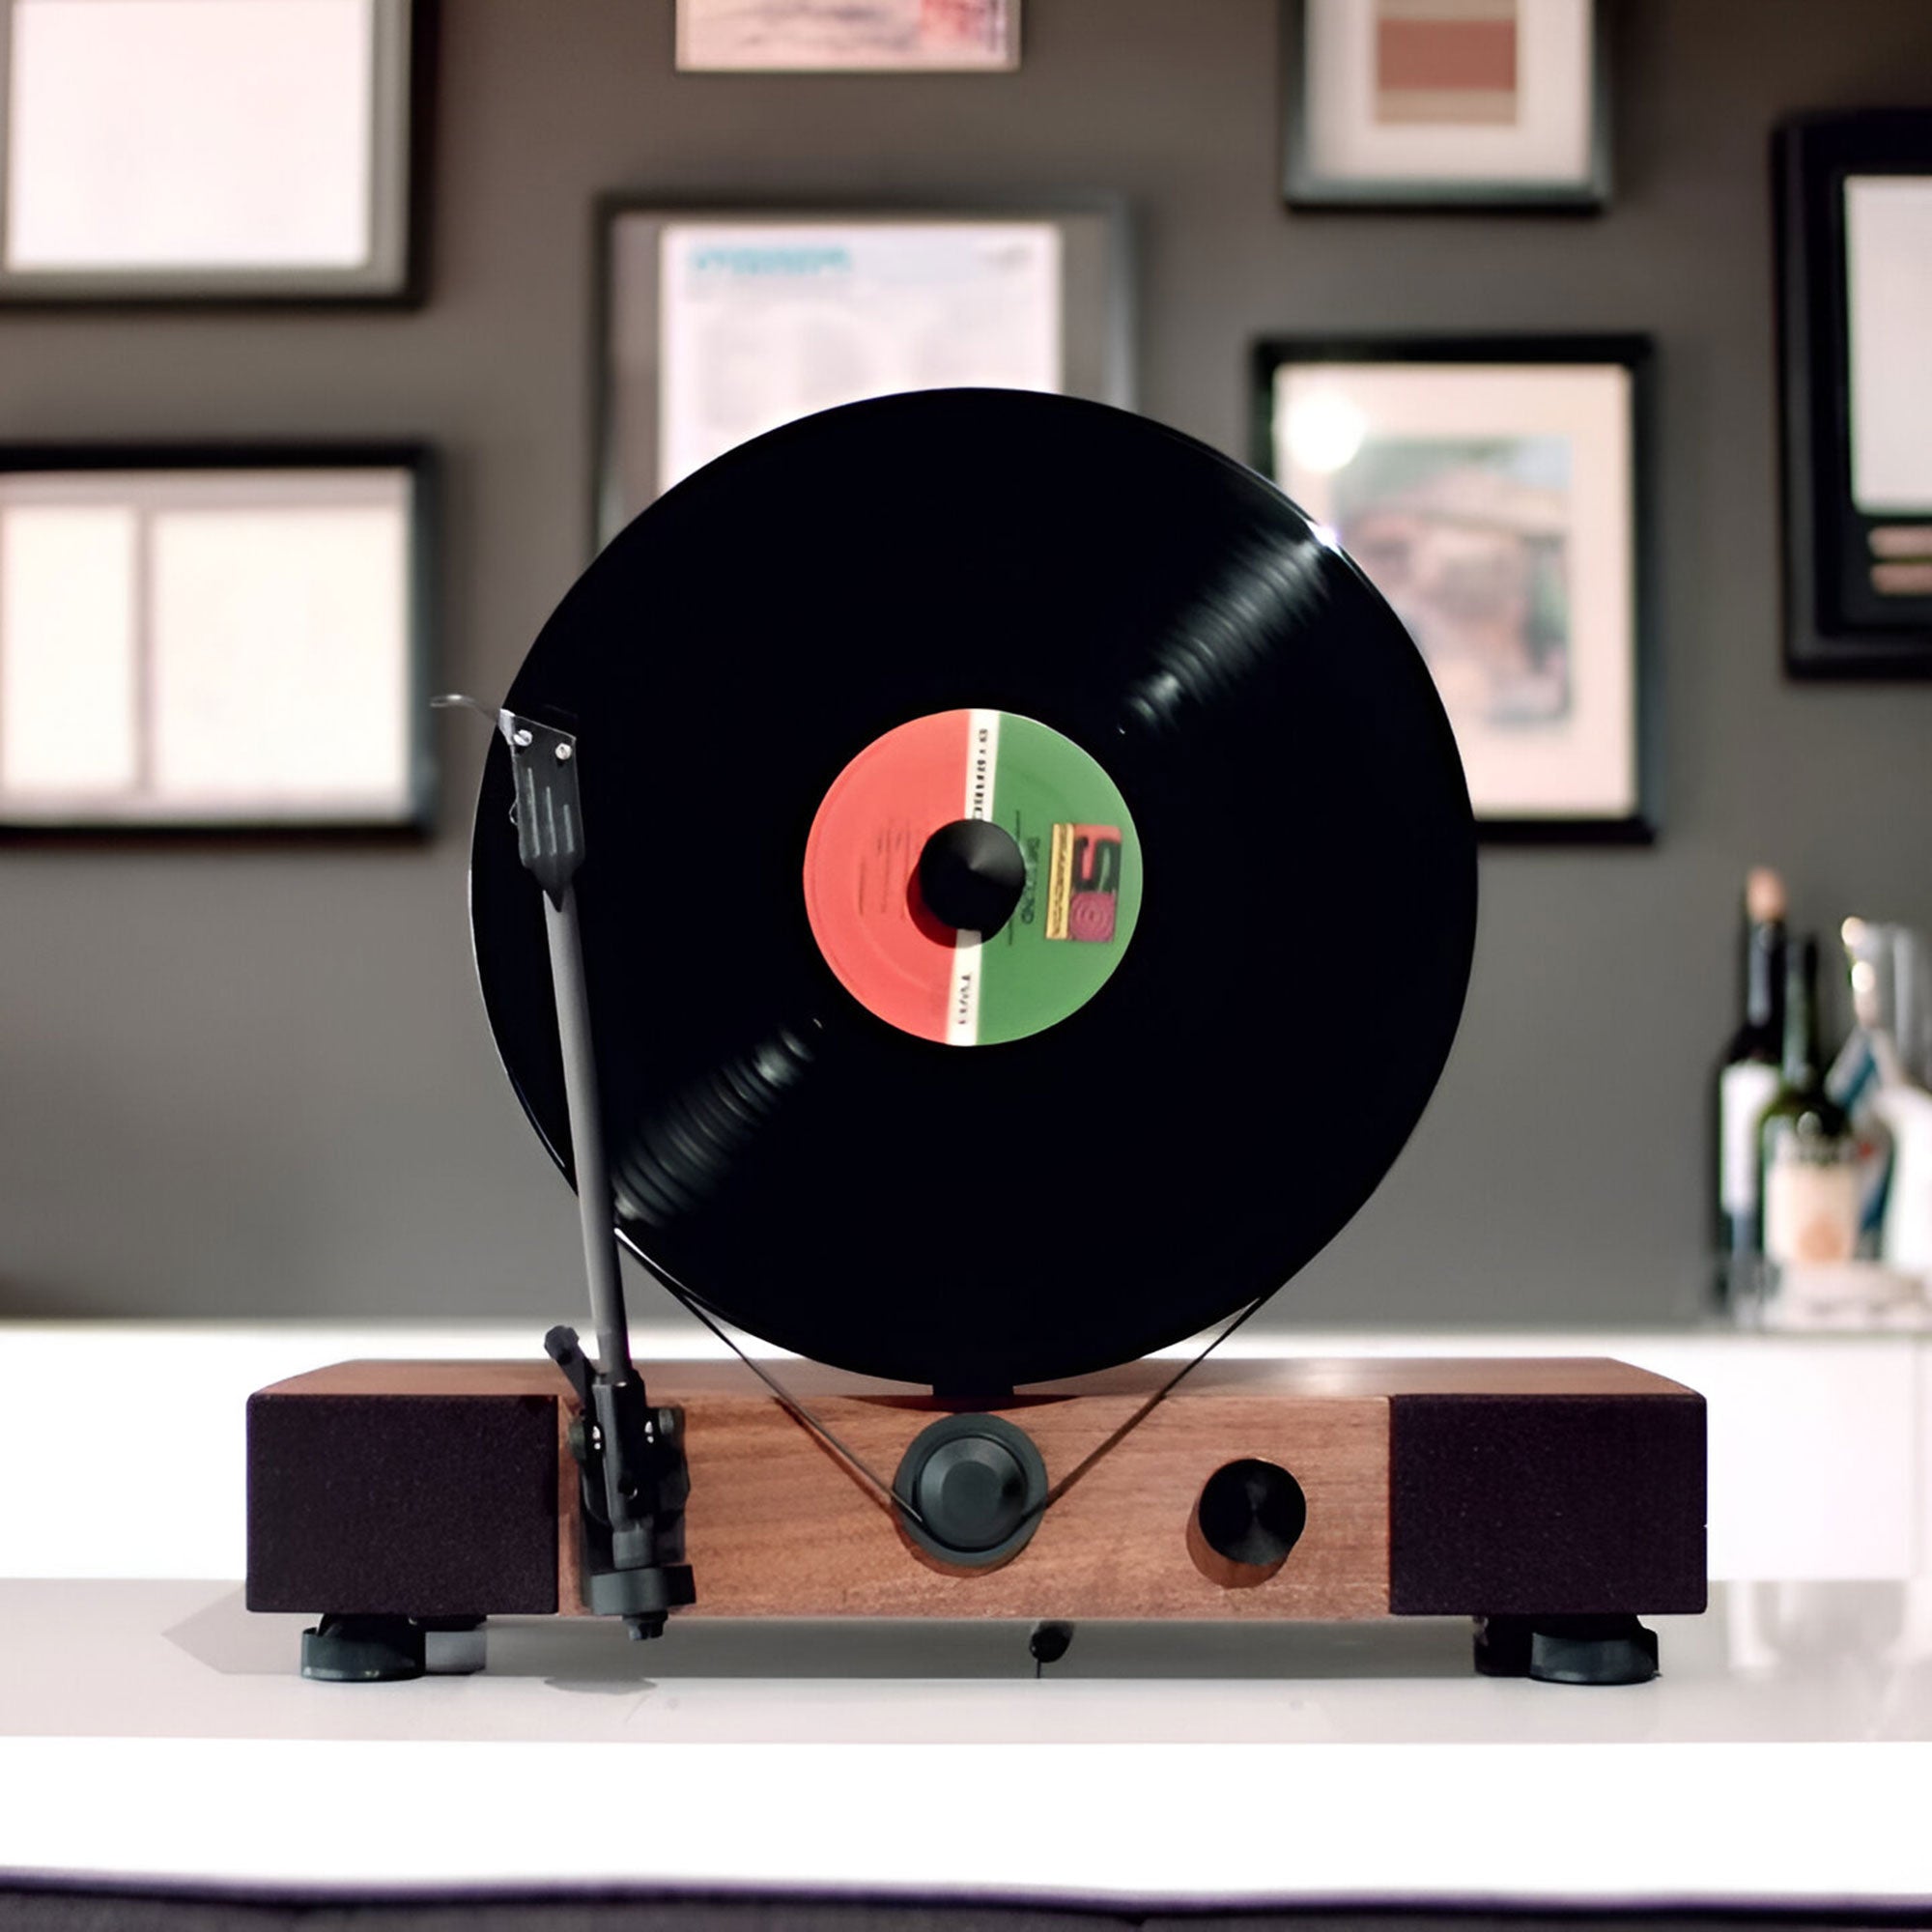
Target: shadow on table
{"x":593,"y":1654}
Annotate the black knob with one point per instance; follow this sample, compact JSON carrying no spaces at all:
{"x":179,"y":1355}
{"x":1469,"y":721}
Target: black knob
{"x":970,"y":1492}
{"x":971,"y":875}
{"x":971,"y":1489}
{"x":1251,"y":1514}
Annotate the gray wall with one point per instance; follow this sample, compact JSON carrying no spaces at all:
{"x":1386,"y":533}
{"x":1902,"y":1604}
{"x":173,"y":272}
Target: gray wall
{"x":258,"y":1081}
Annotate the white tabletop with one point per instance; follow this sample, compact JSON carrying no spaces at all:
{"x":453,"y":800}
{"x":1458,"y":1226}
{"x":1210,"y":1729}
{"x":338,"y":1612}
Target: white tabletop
{"x":158,"y":1729}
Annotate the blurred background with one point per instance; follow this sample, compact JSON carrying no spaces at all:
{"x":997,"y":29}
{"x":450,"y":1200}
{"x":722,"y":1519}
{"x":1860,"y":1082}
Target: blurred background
{"x":255,"y":1079}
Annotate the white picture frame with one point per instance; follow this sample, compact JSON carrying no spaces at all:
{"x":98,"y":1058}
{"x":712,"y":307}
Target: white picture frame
{"x":214,"y":640}
{"x":715,"y":320}
{"x":201,"y":150}
{"x":1491,"y":492}
{"x":1443,"y":103}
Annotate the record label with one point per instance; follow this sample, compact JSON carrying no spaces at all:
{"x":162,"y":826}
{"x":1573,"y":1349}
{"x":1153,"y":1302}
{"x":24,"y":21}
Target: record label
{"x":1076,"y":911}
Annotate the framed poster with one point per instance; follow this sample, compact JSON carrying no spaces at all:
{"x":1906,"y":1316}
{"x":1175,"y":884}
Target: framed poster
{"x":1442,"y":103}
{"x":848,"y":35}
{"x":1855,"y":311}
{"x":197,"y":151}
{"x":721,"y":324}
{"x":214,"y":640}
{"x":1490,"y":490}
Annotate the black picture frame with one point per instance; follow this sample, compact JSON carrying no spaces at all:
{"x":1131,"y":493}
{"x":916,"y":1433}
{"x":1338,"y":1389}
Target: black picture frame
{"x":414,"y":821}
{"x":1640,"y":822}
{"x":1837,"y":624}
{"x":403,"y":58}
{"x":1306,"y":188}
{"x":1096,"y":315}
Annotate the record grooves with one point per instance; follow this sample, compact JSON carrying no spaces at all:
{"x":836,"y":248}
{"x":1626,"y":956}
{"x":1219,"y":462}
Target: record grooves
{"x":1048,"y":1199}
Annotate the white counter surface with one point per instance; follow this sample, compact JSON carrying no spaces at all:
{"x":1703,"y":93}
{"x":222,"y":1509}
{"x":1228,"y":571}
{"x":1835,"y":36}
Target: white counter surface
{"x":158,"y":1729}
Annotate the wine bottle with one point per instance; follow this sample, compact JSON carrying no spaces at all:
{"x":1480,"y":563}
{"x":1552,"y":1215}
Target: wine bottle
{"x":1887,"y":1100}
{"x":1810,"y":1186}
{"x":1865,"y":1063}
{"x":1748,"y":1081}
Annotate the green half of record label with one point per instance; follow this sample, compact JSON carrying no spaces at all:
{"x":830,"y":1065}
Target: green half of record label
{"x":1083,"y":888}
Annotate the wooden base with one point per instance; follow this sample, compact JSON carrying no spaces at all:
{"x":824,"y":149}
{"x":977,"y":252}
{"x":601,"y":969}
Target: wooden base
{"x":1447,"y":1488}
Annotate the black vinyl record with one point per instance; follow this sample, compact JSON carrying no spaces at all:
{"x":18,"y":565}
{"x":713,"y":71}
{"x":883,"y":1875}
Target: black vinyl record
{"x":1202,"y":1073}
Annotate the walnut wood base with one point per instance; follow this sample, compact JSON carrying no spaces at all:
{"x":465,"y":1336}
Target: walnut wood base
{"x":1434,"y":1487}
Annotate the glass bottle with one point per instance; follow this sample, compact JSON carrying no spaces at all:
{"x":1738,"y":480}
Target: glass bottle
{"x":1811,"y":1193}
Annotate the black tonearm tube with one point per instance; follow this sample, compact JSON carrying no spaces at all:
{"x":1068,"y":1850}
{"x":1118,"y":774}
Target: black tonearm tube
{"x":634,"y":1478}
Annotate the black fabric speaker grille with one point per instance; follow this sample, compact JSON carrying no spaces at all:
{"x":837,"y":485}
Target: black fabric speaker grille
{"x":1569,"y":1504}
{"x":411,"y":1505}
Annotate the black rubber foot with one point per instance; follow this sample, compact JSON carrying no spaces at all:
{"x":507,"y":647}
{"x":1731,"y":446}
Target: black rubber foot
{"x":454,"y":1646}
{"x":1566,"y":1650}
{"x":363,"y":1650}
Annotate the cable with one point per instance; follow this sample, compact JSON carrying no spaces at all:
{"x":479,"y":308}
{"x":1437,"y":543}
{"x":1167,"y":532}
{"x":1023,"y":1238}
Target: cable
{"x":1147,"y":1408}
{"x":888,"y":1493}
{"x":850,"y":1456}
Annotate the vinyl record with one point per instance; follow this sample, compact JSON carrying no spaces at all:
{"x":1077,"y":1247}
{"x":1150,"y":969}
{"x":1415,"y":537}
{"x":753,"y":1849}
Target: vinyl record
{"x":1191,"y":773}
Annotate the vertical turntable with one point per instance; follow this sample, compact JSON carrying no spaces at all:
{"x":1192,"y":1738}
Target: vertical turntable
{"x":974,"y":889}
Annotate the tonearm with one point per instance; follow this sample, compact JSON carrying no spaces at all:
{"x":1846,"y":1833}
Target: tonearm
{"x":634,"y":1478}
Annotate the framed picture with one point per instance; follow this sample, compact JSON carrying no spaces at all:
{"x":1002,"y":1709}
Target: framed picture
{"x":848,"y":35}
{"x":1854,"y":309}
{"x":721,"y":324}
{"x":1443,"y":103}
{"x":1490,"y":489}
{"x":196,"y":150}
{"x":214,"y":640}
